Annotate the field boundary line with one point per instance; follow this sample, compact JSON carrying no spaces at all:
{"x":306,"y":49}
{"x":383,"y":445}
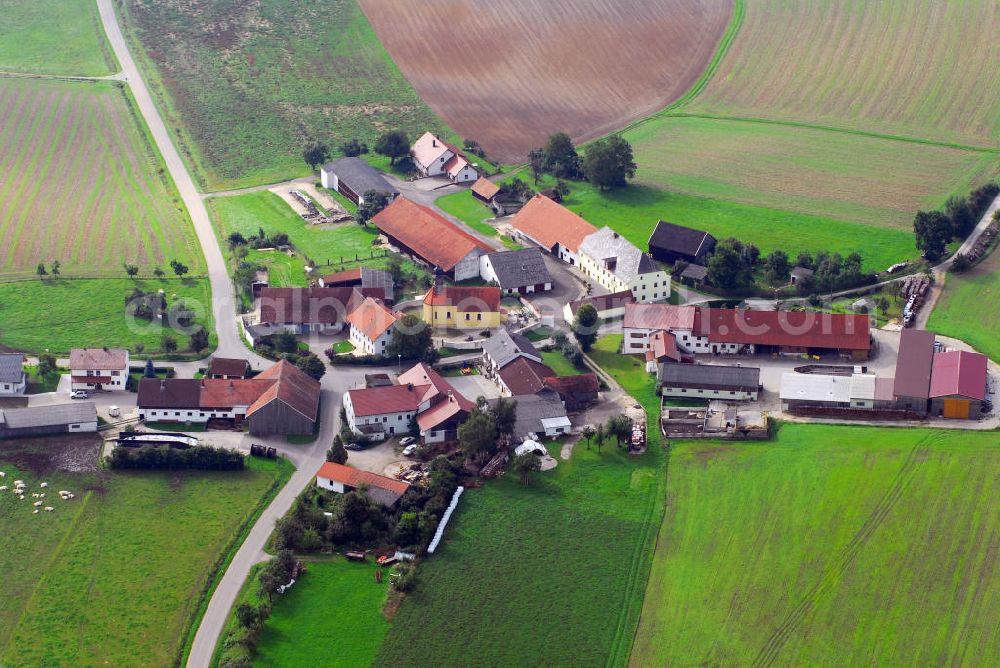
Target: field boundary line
{"x":61,"y":77}
{"x":768,"y":654}
{"x":56,"y":553}
{"x":725,"y":42}
{"x":829,"y":128}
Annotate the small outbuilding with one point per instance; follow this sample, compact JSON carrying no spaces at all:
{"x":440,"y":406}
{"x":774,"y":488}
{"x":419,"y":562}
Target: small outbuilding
{"x":343,"y":479}
{"x":670,"y":243}
{"x":13,"y":380}
{"x":70,"y":418}
{"x":799,"y":274}
{"x":516,"y":271}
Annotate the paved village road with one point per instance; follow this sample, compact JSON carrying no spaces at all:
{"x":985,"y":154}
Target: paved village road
{"x":223,"y":298}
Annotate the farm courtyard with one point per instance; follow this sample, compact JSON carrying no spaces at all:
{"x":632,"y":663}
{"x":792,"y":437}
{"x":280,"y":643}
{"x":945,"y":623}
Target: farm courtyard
{"x":115,"y":576}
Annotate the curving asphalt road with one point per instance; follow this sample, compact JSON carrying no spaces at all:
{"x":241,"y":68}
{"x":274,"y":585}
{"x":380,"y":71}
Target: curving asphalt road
{"x":223,"y":297}
{"x":307,"y":459}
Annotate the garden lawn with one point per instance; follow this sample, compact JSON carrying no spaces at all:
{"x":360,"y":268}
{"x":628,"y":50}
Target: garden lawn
{"x":321,"y":243}
{"x":248,"y":85}
{"x":556,"y":361}
{"x":969,"y":307}
{"x":53,"y":37}
{"x":115,"y":575}
{"x":334,"y":601}
{"x":469,"y":210}
{"x":58,"y":315}
{"x":833,"y":545}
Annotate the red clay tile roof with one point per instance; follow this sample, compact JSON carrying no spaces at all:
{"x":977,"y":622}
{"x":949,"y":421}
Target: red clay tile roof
{"x":422,"y":374}
{"x":228,"y":366}
{"x":797,"y":329}
{"x":549,"y":223}
{"x":660,"y":316}
{"x":524,"y":376}
{"x":311,"y":305}
{"x":443,"y":410}
{"x":225,"y":393}
{"x":428,"y":234}
{"x":97,"y":358}
{"x":404,"y":398}
{"x":372,"y":318}
{"x":346,"y":276}
{"x":663,"y":345}
{"x":353,"y":477}
{"x":959,"y":373}
{"x":485,"y":188}
{"x":584,"y":383}
{"x":293,"y":387}
{"x":282,"y":381}
{"x":466,"y":299}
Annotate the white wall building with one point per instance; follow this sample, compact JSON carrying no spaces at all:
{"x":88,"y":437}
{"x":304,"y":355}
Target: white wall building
{"x":618,"y":265}
{"x":13,"y":380}
{"x":99,"y":368}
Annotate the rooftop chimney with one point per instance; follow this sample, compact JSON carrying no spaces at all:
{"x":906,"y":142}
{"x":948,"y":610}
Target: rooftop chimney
{"x":434,"y":143}
{"x":163,"y":385}
{"x":409,"y":386}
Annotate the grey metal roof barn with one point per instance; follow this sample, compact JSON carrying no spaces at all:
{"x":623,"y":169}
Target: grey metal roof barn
{"x":359,"y":176}
{"x":47,"y":416}
{"x":533,"y":408}
{"x":11,"y":367}
{"x":606,"y":244}
{"x":518,"y":268}
{"x":710,"y":377}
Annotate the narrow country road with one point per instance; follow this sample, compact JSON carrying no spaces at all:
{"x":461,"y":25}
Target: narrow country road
{"x":223,"y":297}
{"x":308,"y":459}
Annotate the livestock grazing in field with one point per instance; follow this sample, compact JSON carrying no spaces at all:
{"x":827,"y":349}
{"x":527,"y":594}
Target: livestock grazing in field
{"x":43,"y":485}
{"x":49,"y":509}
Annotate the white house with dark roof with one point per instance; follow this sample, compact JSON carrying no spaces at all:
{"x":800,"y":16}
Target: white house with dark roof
{"x":13,"y":380}
{"x":516,"y":271}
{"x":98,"y":369}
{"x":614,"y":262}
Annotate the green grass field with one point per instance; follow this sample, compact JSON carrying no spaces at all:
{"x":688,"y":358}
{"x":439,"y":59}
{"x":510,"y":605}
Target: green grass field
{"x":58,"y":315}
{"x":840,"y":176}
{"x":53,"y":37}
{"x":84,"y":184}
{"x":249,"y":85}
{"x":114,"y":576}
{"x":826,"y":125}
{"x":967,"y":308}
{"x":247,"y":213}
{"x":863,"y":65}
{"x":306,"y":629}
{"x":831,"y":546}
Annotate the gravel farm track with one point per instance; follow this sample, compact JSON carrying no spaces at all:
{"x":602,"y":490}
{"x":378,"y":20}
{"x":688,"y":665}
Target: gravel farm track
{"x":510,"y":72}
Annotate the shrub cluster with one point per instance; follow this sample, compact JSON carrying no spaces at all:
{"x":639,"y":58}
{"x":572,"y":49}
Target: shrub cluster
{"x":166,"y":458}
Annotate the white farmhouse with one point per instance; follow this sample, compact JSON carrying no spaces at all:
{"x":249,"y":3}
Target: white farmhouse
{"x":611,"y":260}
{"x":434,"y":157}
{"x":13,"y":380}
{"x":98,"y":368}
{"x":372,"y":326}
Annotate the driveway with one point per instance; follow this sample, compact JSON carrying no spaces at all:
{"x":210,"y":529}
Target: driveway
{"x":567,"y":285}
{"x":473,"y":387}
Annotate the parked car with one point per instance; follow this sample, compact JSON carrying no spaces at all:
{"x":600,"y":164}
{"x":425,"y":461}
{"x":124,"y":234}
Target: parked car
{"x":406,"y":440}
{"x":79,"y":394}
{"x":114,"y":411}
{"x":410,"y":450}
{"x":353,"y":446}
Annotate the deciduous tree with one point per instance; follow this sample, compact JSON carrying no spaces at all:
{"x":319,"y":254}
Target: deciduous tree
{"x":316,"y":154}
{"x":585,"y":326}
{"x":608,"y":163}
{"x":393,"y":145}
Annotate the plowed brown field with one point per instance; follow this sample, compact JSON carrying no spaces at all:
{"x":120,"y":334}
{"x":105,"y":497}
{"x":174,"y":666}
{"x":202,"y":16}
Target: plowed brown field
{"x":510,"y":72}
